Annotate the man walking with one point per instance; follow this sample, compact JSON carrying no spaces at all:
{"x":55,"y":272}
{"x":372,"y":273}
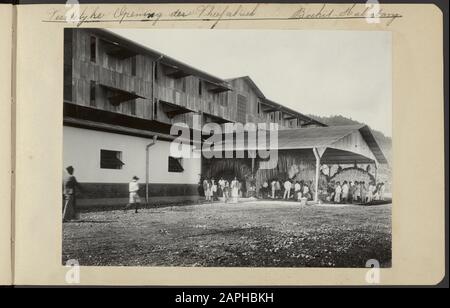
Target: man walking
{"x":70,"y":184}
{"x":135,"y":200}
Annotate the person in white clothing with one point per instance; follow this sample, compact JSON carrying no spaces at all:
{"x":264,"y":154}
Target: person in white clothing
{"x":345,"y":189}
{"x":337,"y":193}
{"x":135,"y":200}
{"x":287,"y":189}
{"x":235,"y":190}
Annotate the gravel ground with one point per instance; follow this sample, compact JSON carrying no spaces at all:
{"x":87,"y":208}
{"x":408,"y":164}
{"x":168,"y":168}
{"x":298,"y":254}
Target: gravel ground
{"x":249,"y":234}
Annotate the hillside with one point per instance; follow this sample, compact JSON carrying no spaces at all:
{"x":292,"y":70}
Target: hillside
{"x":338,"y":120}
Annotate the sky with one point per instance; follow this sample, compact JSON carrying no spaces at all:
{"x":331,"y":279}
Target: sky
{"x":323,"y":73}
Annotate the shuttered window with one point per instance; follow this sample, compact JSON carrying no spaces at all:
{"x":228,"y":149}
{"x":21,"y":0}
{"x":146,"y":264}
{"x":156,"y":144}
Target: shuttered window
{"x":241,"y":108}
{"x":111,"y":159}
{"x":93,"y":47}
{"x":92,"y":90}
{"x":175,"y":164}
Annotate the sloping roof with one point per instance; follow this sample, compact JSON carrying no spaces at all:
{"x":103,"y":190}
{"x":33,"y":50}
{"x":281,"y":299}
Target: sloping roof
{"x":291,"y":111}
{"x":317,"y":137}
{"x":252,"y":84}
{"x":309,"y":137}
{"x":164,"y":59}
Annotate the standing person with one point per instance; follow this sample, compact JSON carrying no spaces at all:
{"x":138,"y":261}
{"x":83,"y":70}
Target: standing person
{"x":351,"y":191}
{"x":273,"y":185}
{"x":214,"y":190}
{"x":226,"y":191}
{"x":265,"y":190}
{"x":370,"y":192}
{"x":363,"y":192}
{"x":205,"y":188}
{"x":345,"y":190}
{"x":287,"y":189}
{"x":337,"y":192}
{"x":278,"y":189}
{"x":357,"y":192}
{"x":220,"y":187}
{"x":135,"y":200}
{"x":311,"y":189}
{"x":235,"y":190}
{"x":70,"y":184}
{"x":381,"y":193}
{"x":298,"y":191}
{"x":330,"y":191}
{"x":208,"y":193}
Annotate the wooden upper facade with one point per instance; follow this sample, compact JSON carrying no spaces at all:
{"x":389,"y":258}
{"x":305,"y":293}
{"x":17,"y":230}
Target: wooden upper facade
{"x":110,"y":73}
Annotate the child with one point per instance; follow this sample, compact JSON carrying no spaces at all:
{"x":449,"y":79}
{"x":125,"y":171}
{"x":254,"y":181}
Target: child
{"x":135,"y":200}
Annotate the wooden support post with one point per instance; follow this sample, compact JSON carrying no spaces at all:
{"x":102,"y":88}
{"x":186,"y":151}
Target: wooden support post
{"x":376,"y":172}
{"x":316,"y":186}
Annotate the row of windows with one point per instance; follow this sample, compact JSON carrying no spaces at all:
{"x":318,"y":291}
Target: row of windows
{"x":93,"y":55}
{"x":93,"y":58}
{"x":113,"y":160}
{"x":93,"y":97}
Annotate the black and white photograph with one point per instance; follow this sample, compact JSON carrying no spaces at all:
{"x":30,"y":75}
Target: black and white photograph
{"x":227,"y":148}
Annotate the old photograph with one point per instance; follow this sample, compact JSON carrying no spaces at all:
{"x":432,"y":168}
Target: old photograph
{"x":227,"y":148}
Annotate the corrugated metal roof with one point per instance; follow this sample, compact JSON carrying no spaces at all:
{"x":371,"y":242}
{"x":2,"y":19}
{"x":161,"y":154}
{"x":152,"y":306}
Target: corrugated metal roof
{"x":310,"y":137}
{"x":317,"y":137}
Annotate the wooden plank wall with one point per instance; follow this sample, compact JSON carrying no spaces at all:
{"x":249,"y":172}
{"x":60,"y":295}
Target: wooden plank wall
{"x":112,"y":72}
{"x":116,"y":73}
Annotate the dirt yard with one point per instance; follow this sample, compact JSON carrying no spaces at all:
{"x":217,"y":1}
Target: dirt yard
{"x":249,"y":234}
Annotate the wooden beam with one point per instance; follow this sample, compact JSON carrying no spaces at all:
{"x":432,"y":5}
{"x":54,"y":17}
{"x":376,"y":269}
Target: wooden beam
{"x":176,"y":73}
{"x":316,"y":184}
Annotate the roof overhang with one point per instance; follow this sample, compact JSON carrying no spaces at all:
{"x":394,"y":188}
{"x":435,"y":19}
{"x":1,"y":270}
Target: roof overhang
{"x":339,"y":144}
{"x":117,"y":96}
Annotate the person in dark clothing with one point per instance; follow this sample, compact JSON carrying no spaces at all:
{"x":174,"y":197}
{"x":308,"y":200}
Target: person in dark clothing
{"x":70,"y":184}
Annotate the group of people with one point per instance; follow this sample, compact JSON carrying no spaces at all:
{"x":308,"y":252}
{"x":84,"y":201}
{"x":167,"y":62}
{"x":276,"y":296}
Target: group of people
{"x":287,"y":190}
{"x":222,"y":189}
{"x":358,"y":192}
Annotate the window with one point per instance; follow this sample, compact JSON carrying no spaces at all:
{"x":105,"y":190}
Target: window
{"x":175,"y":164}
{"x":183,"y":84}
{"x":133,"y":66}
{"x":200,"y":88}
{"x":111,"y":159}
{"x":241,"y":108}
{"x":155,"y":109}
{"x":133,"y":105}
{"x":155,"y":73}
{"x":93,"y":44}
{"x":92,"y":93}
